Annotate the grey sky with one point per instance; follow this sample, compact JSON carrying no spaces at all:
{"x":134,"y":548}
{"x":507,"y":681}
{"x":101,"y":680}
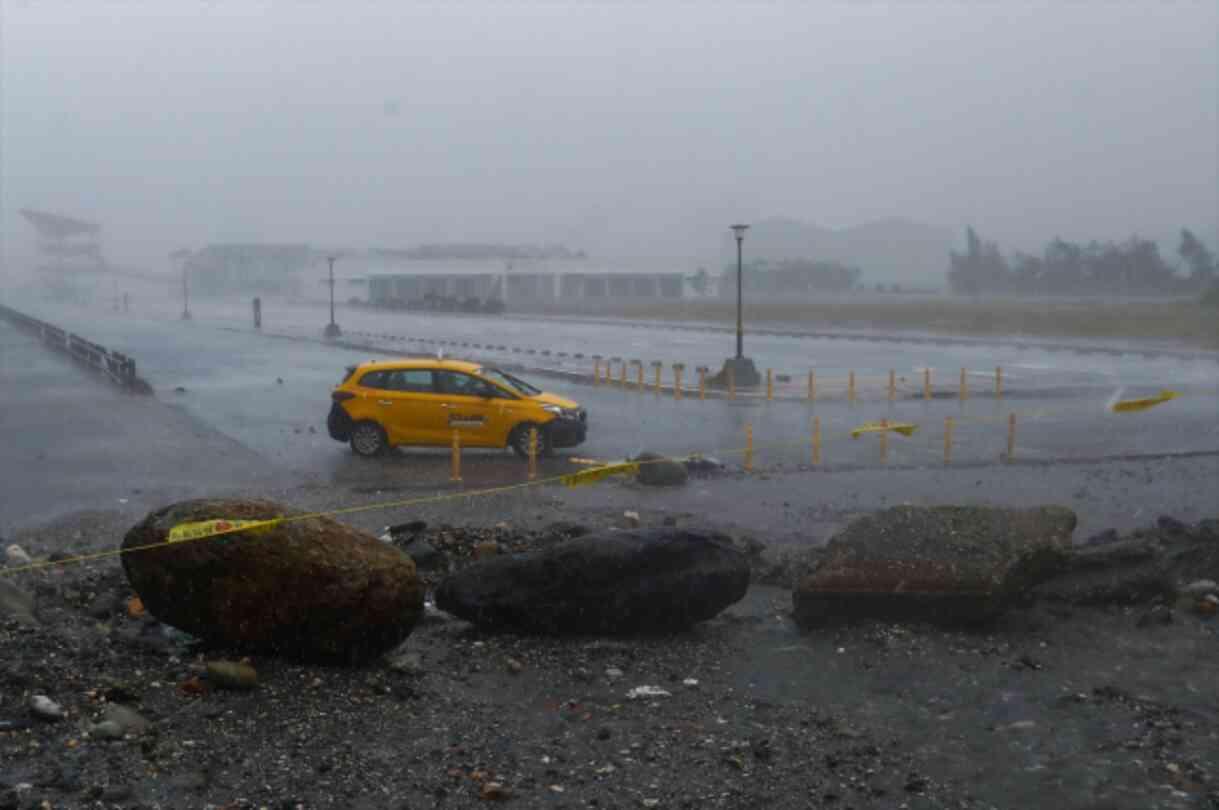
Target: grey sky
{"x":626,"y":127}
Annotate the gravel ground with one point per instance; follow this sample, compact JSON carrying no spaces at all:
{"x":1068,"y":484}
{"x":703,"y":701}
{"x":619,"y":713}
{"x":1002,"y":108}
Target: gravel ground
{"x":1082,"y":707}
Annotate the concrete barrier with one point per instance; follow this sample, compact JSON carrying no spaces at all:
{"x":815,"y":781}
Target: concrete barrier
{"x":116,"y":367}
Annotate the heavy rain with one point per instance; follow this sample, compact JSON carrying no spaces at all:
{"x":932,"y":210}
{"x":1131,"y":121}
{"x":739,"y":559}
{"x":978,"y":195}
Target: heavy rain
{"x":609,"y":405}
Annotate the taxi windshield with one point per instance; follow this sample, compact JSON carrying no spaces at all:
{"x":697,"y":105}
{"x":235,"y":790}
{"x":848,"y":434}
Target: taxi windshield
{"x":508,"y":381}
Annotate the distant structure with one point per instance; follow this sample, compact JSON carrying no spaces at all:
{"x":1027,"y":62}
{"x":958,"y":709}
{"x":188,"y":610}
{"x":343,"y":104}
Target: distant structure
{"x":474,"y":289}
{"x":250,"y":268}
{"x":66,"y":244}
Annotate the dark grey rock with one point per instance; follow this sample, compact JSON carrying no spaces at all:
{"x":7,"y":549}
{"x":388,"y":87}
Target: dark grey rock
{"x":660,"y":471}
{"x":1128,"y":571}
{"x":1103,"y":538}
{"x":954,"y":564}
{"x":426,"y":556}
{"x":648,"y":580}
{"x":1170,"y":525}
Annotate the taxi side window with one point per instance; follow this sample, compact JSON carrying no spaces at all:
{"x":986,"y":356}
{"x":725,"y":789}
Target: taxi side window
{"x":412,"y":380}
{"x":458,"y":384}
{"x":374,"y":379}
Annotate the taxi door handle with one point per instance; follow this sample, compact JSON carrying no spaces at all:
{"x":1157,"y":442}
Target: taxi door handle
{"x":385,"y":402}
{"x":445,"y":405}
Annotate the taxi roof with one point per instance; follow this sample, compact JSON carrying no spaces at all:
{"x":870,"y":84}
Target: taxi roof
{"x":420,"y":362}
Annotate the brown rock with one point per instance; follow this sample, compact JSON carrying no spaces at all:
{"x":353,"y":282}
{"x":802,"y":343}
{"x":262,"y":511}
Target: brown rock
{"x":312,"y":589}
{"x":944,"y":563}
{"x":494,"y":792}
{"x":485,"y":549}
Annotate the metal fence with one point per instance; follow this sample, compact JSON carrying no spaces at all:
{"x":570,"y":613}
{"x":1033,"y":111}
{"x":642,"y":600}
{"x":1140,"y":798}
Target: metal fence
{"x":114,"y":366}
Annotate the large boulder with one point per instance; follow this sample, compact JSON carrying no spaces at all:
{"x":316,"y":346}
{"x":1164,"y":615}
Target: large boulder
{"x":312,"y":589}
{"x":1150,"y":563}
{"x":954,"y":564}
{"x":647,"y":580}
{"x":660,"y":471}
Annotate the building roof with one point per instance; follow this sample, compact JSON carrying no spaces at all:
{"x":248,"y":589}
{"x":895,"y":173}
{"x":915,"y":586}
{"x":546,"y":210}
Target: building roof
{"x":57,"y":226}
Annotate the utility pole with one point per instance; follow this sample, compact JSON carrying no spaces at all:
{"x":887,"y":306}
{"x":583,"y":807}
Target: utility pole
{"x":332,"y":329}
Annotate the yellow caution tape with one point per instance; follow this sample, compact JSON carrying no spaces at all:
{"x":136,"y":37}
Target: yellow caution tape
{"x":585,"y":477}
{"x":1132,"y":405}
{"x":904,"y":428}
{"x":208,"y":528}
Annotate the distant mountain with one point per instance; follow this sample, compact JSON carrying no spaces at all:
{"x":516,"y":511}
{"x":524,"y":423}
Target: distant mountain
{"x":888,"y":250}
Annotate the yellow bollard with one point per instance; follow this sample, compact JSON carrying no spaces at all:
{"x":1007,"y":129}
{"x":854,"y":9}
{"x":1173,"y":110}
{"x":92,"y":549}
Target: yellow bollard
{"x":677,"y":369}
{"x":731,"y":384}
{"x":455,"y":475}
{"x":892,"y":385}
{"x":999,"y":382}
{"x":639,"y":368}
{"x":770,"y":384}
{"x":702,"y":382}
{"x":851,"y":388}
{"x":1011,"y":437}
{"x":816,"y":440}
{"x":812,"y":386}
{"x":884,"y":441}
{"x":658,"y":366}
{"x":748,"y":447}
{"x":596,"y":369}
{"x":964,"y":387}
{"x":947,"y":439}
{"x":533,"y":453}
{"x":927,"y":383}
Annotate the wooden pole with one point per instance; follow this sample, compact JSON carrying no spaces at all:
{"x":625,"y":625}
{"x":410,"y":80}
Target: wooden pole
{"x":999,"y":382}
{"x":702,"y":382}
{"x":658,"y":366}
{"x":1011,"y":437}
{"x":964,"y":387}
{"x":677,"y":369}
{"x":816,"y":440}
{"x":770,"y":384}
{"x":639,"y":363}
{"x":927,"y":383}
{"x":947,"y":439}
{"x":731,"y":383}
{"x":892,"y":385}
{"x":596,"y":369}
{"x":812,"y":386}
{"x":622,"y":376}
{"x":851,"y":388}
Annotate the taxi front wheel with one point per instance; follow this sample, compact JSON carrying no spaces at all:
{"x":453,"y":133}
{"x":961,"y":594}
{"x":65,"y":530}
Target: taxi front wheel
{"x":368,"y":439}
{"x":519,"y":440}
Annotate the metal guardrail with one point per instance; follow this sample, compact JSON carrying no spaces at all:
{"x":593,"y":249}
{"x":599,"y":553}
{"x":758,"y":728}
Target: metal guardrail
{"x":114,"y":366}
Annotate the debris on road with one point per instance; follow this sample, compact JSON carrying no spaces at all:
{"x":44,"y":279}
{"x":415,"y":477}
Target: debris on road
{"x":954,"y":564}
{"x":311,"y":588}
{"x":613,"y":582}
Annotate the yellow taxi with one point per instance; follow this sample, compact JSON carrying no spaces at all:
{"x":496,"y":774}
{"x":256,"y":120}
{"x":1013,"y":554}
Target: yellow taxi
{"x":389,"y":403}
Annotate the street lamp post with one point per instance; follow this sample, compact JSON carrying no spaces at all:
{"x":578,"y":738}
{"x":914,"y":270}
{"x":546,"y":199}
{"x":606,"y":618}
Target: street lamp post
{"x":739,"y":231}
{"x":332,"y":329}
{"x":738,"y":370}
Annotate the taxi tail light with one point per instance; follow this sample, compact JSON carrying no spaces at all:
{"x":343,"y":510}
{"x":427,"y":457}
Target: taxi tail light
{"x":342,"y":396}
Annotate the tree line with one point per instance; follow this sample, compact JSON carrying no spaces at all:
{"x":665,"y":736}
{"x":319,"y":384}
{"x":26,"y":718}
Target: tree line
{"x":1133,"y":267}
{"x":790,"y":276}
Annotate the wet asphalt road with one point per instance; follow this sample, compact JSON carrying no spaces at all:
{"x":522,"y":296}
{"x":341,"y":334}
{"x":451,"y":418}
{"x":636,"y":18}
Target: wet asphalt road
{"x":267,"y":429}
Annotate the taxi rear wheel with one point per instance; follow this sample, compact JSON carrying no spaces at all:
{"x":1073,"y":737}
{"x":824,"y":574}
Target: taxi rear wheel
{"x":519,"y":440}
{"x":368,"y":439}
